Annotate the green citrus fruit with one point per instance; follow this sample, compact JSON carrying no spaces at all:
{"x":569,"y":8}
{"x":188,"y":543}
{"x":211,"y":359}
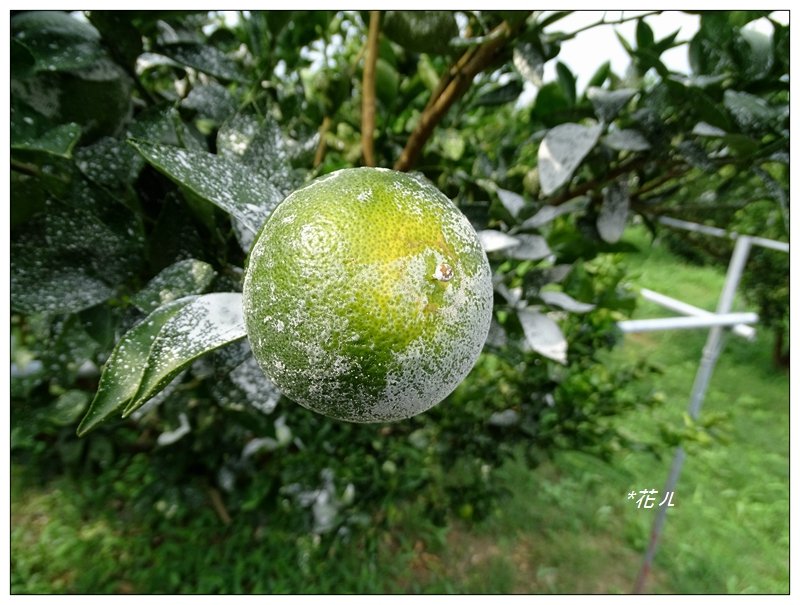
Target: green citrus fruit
{"x":367,"y":295}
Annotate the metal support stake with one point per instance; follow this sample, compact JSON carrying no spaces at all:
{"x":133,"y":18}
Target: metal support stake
{"x":711,"y":352}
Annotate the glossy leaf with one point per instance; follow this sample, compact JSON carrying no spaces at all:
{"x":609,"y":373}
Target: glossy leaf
{"x":225,"y":183}
{"x":123,"y":371}
{"x":543,"y":335}
{"x":59,"y":141}
{"x":205,"y":58}
{"x":186,"y":277}
{"x":562,"y":151}
{"x":206,"y":323}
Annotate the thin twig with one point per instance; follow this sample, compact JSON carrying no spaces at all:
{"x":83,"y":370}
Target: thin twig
{"x":322,"y":146}
{"x":219,"y":505}
{"x":603,"y":21}
{"x":368,"y":91}
{"x":457,"y":80}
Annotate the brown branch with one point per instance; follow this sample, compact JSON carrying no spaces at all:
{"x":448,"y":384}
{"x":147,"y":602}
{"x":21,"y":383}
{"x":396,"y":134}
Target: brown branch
{"x":322,"y":146}
{"x":368,"y":91}
{"x":219,"y":505}
{"x":456,"y":83}
{"x":596,"y":184}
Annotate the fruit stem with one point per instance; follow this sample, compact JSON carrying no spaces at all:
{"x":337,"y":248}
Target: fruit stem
{"x":368,"y":91}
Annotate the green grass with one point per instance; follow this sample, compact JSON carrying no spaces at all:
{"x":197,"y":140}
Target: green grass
{"x":567,"y":527}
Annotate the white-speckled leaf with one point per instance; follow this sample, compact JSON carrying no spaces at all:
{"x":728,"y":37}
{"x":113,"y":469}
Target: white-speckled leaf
{"x":206,"y":58}
{"x":232,"y":186}
{"x":529,"y":63}
{"x":189,"y":276}
{"x":626,"y":140}
{"x":254,"y":386}
{"x":206,"y":323}
{"x":562,"y":151}
{"x":58,"y":141}
{"x":543,"y":335}
{"x":608,"y":103}
{"x":513,"y":202}
{"x":565,"y":301}
{"x":549,"y":213}
{"x":492,"y":241}
{"x":531,"y":247}
{"x":122,"y":373}
{"x":613,"y":214}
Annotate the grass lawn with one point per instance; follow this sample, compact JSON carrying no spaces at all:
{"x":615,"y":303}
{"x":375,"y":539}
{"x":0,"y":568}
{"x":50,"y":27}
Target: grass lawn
{"x":567,"y":528}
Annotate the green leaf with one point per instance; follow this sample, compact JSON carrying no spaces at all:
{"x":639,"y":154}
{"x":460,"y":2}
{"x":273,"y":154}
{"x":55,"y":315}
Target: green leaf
{"x":608,"y":103}
{"x":529,"y":63}
{"x":205,"y":324}
{"x":600,"y":76}
{"x":57,"y":41}
{"x":232,"y":186}
{"x":499,"y":95}
{"x":750,"y":112}
{"x":59,"y":141}
{"x":189,"y":276}
{"x":566,"y":80}
{"x":123,"y":371}
{"x":626,"y":139}
{"x":211,"y":101}
{"x":420,"y":31}
{"x":119,"y":34}
{"x":613,"y":215}
{"x":68,"y":407}
{"x":562,"y":151}
{"x":549,"y":105}
{"x":205,"y":58}
{"x":644,"y":35}
{"x":543,"y":335}
{"x":260,"y":145}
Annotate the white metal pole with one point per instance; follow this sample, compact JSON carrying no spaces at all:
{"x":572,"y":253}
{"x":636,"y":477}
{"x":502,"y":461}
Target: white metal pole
{"x":712,"y":320}
{"x":711,"y":352}
{"x":673,"y":304}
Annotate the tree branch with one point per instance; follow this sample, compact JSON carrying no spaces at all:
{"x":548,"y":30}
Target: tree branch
{"x":322,"y":146}
{"x":452,"y":87}
{"x":603,"y":21}
{"x":368,"y":91}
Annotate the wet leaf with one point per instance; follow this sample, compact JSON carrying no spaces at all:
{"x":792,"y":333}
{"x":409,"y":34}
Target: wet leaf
{"x":543,"y":335}
{"x":562,"y":151}
{"x":212,"y":101}
{"x":57,"y":41}
{"x":565,"y":301}
{"x":206,"y":323}
{"x":626,"y":139}
{"x":613,"y":215}
{"x":205,"y":58}
{"x":608,"y":103}
{"x":59,"y":141}
{"x":123,"y":371}
{"x":189,"y":276}
{"x":225,"y":183}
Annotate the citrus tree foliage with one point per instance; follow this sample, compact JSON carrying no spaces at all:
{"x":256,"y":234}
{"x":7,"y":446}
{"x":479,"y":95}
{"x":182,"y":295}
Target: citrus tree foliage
{"x":147,"y":149}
